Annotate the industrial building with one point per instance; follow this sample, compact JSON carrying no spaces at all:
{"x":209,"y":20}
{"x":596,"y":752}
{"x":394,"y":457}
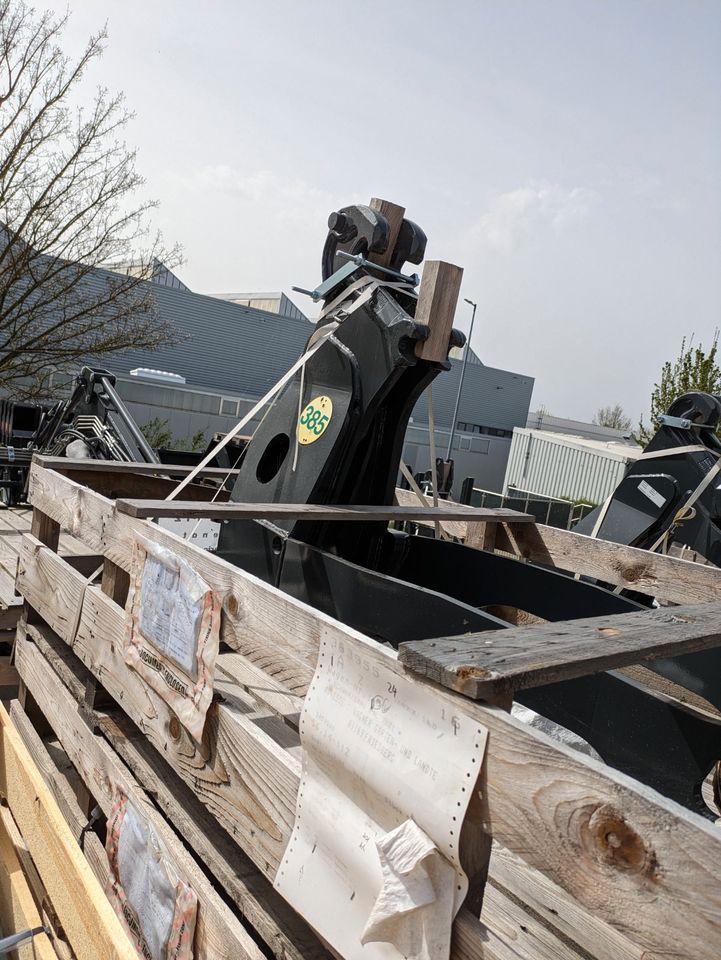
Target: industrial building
{"x":230,"y":352}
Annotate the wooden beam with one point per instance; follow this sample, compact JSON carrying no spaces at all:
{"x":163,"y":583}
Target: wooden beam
{"x":437,"y":300}
{"x":89,"y":921}
{"x":65,"y":464}
{"x":484,"y":665}
{"x":394,"y":215}
{"x":657,"y":575}
{"x":310,"y":511}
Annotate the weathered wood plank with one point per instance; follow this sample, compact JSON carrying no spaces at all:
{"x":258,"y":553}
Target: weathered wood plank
{"x":437,"y":300}
{"x":564,"y":819}
{"x":218,"y":934}
{"x":61,"y":790}
{"x":311,"y":511}
{"x":483,"y":665}
{"x":87,"y":918}
{"x":596,"y":938}
{"x":63,"y":464}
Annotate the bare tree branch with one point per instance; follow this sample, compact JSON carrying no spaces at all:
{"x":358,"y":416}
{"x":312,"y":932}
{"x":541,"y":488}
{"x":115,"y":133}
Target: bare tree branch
{"x":68,"y":208}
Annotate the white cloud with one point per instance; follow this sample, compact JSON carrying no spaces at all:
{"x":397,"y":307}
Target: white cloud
{"x":529,"y":210}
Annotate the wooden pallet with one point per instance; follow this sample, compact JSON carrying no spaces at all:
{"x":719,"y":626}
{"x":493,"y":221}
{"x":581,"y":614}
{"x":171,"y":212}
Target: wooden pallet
{"x":584,"y":861}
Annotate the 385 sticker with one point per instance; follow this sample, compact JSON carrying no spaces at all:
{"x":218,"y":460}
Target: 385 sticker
{"x":314,"y":419}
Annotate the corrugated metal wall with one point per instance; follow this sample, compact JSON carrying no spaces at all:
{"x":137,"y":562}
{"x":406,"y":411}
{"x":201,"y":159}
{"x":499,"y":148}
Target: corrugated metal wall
{"x":227,"y":347}
{"x":549,"y":466}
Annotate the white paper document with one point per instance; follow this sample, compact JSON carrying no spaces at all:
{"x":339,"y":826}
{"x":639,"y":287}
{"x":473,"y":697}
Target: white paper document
{"x":388,"y":771}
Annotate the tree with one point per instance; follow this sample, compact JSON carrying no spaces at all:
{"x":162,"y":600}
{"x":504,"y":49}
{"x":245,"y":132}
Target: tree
{"x":613,"y":417}
{"x":694,"y":369}
{"x":158,"y":434}
{"x":68,"y":206}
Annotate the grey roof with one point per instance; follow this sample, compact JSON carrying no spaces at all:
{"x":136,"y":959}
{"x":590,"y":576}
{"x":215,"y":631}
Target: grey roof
{"x":235,"y":349}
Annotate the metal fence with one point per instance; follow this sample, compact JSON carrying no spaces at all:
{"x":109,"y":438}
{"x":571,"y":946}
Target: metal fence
{"x":549,"y":510}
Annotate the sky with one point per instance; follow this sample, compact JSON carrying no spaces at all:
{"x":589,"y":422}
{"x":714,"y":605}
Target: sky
{"x":566,"y":153}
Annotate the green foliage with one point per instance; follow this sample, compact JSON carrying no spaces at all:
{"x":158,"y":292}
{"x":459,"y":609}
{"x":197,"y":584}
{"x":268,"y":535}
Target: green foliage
{"x":694,"y":369}
{"x":158,"y":434}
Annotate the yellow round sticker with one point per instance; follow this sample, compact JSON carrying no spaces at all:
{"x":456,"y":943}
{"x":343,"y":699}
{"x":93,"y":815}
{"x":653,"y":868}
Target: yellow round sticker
{"x":314,"y":419}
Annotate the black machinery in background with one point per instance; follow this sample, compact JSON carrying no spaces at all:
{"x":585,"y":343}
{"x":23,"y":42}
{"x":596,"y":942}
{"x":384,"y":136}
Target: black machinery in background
{"x":335,"y":435}
{"x":671,"y":496}
{"x":92,"y":423}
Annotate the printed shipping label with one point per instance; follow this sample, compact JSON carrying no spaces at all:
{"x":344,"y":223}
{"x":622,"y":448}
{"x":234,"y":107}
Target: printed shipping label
{"x":173,"y":631}
{"x":653,"y":495}
{"x":157,"y":908}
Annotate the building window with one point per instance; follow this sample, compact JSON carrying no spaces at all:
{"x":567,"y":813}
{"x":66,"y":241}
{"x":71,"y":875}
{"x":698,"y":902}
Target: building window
{"x":228,"y":407}
{"x":479,"y":428}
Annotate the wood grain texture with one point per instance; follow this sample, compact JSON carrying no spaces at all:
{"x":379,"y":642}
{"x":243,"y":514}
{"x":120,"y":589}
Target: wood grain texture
{"x":484,"y":665}
{"x":18,"y":910}
{"x":67,"y":464}
{"x":89,"y":922}
{"x":219,"y":935}
{"x":295,"y":511}
{"x":546,"y":900}
{"x":621,"y":850}
{"x":64,"y":795}
{"x":394,"y":214}
{"x":437,"y":301}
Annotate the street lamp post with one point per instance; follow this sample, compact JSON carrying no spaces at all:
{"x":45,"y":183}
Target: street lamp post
{"x":460,"y":382}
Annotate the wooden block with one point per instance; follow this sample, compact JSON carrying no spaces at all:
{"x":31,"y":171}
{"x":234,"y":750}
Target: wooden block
{"x":482,"y":665}
{"x":394,"y":215}
{"x":115,"y":582}
{"x":437,"y":300}
{"x":482,"y":536}
{"x":45,"y":529}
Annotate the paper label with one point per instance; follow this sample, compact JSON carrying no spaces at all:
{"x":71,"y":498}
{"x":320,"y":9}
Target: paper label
{"x":378,"y":750}
{"x":203,"y":533}
{"x":653,"y":495}
{"x":173,"y":631}
{"x":156,"y":907}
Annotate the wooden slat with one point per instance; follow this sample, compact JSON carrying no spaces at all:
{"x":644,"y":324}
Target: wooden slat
{"x":557,"y":809}
{"x":56,"y":781}
{"x":311,"y":511}
{"x":483,"y":665}
{"x":63,"y":464}
{"x":87,"y":918}
{"x":437,"y":300}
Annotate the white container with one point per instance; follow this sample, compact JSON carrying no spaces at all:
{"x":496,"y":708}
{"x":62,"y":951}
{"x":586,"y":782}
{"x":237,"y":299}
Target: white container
{"x":562,"y":465}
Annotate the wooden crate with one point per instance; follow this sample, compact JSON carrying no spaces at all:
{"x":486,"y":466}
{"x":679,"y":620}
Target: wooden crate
{"x":584,"y":861}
